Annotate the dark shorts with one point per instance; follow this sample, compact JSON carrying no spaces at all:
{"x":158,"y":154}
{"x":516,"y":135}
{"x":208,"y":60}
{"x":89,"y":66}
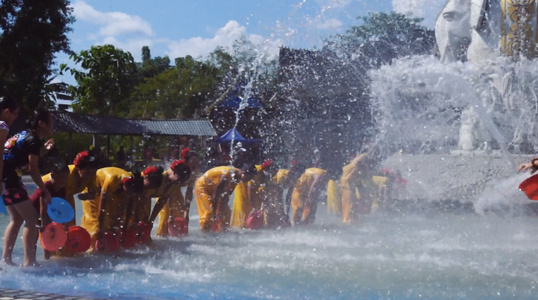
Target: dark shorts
{"x":15,"y":195}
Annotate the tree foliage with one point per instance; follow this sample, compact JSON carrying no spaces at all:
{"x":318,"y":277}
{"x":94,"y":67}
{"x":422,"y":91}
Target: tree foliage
{"x":247,"y":73}
{"x":180,"y":92}
{"x":31,"y":33}
{"x":151,"y":67}
{"x":383,"y":37}
{"x":105,"y":82}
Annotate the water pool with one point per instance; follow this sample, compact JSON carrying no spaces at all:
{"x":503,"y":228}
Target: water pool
{"x":428,"y":254}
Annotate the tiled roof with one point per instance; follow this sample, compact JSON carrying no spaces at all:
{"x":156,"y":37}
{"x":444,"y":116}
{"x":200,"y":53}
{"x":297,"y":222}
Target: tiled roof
{"x":178,"y":127}
{"x":80,"y":123}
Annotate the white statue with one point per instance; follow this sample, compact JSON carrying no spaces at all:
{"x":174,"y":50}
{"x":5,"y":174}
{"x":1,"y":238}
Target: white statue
{"x":485,"y":21}
{"x":478,"y":30}
{"x":482,"y":30}
{"x":453,"y":31}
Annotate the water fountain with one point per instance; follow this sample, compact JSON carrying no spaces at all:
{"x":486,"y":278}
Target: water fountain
{"x":450,"y":145}
{"x":462,"y":123}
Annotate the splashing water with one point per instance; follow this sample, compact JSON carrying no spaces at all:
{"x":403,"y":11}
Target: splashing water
{"x":420,"y":100}
{"x":391,"y":256}
{"x":408,"y":252}
{"x":424,"y":106}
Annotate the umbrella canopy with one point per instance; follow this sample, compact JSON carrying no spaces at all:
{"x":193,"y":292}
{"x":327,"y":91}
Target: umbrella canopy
{"x":234,"y":102}
{"x":235,"y":136}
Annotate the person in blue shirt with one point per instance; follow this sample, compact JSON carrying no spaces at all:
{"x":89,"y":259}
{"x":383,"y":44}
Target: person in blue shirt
{"x":20,"y":151}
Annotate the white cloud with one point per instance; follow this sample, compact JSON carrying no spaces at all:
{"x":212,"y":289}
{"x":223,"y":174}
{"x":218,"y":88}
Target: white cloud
{"x":426,"y":9}
{"x":131,"y":33}
{"x":224,"y":37}
{"x":134,"y":46}
{"x":334,"y":3}
{"x":112,"y":23}
{"x":330,"y":24}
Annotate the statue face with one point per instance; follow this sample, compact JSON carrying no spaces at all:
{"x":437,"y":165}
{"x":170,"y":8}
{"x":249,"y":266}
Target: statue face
{"x":458,"y":27}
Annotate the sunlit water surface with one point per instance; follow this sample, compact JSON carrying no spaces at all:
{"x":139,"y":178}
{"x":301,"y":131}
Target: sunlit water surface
{"x":430,"y":254}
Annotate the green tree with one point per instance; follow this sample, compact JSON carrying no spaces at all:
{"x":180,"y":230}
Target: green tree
{"x":180,"y":92}
{"x":31,"y":33}
{"x":105,"y":82}
{"x":383,"y":37}
{"x":245,"y":73}
{"x":151,"y":67}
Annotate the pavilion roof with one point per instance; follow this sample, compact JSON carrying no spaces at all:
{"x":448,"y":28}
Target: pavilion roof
{"x":82,"y":123}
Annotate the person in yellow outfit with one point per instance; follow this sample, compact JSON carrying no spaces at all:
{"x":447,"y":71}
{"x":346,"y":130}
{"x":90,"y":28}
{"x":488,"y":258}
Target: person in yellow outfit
{"x":154,"y":183}
{"x":213,"y":190}
{"x":81,"y":181}
{"x":109,"y":212}
{"x":275,"y":214}
{"x":349,"y":183}
{"x":359,"y":175}
{"x":305,"y":197}
{"x":56,"y":187}
{"x":393,"y":185}
{"x":173,"y":179}
{"x":248,"y":196}
{"x":152,"y":178}
{"x":334,"y":199}
{"x":181,"y":204}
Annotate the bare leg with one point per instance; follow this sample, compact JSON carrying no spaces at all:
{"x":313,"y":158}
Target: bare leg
{"x":30,"y":231}
{"x":11,"y":233}
{"x":46,"y":254}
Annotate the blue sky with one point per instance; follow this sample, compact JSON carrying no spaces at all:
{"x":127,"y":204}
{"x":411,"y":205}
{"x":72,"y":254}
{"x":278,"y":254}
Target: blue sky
{"x":196,"y":27}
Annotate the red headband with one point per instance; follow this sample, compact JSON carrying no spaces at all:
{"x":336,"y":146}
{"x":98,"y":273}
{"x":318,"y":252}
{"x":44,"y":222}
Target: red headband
{"x":184,"y":153}
{"x":127,"y":179}
{"x":150,"y":170}
{"x":267,"y":164}
{"x":80,"y":158}
{"x":177,"y":163}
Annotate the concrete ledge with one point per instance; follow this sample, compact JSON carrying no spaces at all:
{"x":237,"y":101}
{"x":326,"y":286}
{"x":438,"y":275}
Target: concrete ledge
{"x":457,"y":177}
{"x":8,"y":294}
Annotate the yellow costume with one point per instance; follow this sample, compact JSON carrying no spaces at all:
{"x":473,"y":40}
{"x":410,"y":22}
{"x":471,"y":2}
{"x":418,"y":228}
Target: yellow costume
{"x":334,"y":201}
{"x":73,"y":187}
{"x":109,"y":181}
{"x":165,"y":191}
{"x":303,"y":207}
{"x":352,"y":174}
{"x":381,"y":184}
{"x":241,"y":204}
{"x":360,"y":190}
{"x":177,"y":206}
{"x":205,"y":188}
{"x":275,"y":214}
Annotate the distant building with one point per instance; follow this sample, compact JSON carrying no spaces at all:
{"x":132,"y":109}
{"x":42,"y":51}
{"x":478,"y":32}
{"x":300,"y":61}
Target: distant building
{"x":63,"y":102}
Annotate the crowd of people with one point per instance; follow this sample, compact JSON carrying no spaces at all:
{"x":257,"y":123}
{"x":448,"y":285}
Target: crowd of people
{"x":117,"y":203}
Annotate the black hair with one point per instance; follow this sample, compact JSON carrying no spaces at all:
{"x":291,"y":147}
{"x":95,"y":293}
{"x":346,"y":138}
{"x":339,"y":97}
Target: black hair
{"x":90,"y":162}
{"x":182,"y":170}
{"x":156,"y":178}
{"x":298,"y":169}
{"x":59,"y":166}
{"x":273,"y":168}
{"x":41,"y":114}
{"x":190,"y":155}
{"x":249,"y":169}
{"x":137,"y":183}
{"x":8,"y":102}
